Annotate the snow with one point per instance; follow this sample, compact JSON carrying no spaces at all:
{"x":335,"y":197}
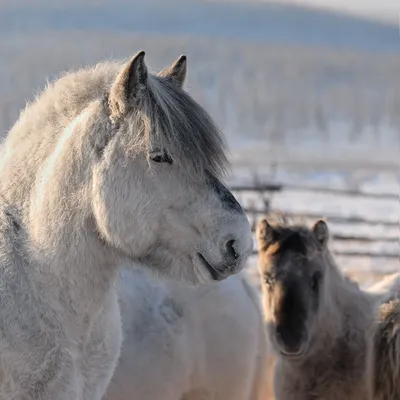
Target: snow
{"x":365,"y":269}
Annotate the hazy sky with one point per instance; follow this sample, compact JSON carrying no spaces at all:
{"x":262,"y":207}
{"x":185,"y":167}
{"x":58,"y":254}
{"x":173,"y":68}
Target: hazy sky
{"x":381,"y":9}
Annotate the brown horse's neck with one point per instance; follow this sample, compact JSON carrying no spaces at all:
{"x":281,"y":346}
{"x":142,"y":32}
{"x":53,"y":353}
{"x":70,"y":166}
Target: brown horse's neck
{"x":344,"y":316}
{"x":334,"y":367}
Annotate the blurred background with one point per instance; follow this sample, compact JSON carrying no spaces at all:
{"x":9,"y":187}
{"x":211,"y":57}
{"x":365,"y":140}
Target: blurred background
{"x":306,"y":91}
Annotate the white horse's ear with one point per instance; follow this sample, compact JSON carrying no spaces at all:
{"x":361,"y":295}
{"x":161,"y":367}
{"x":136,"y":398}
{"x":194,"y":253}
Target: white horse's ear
{"x":128,"y":85}
{"x":321,"y":232}
{"x":176,"y":72}
{"x":266,"y":234}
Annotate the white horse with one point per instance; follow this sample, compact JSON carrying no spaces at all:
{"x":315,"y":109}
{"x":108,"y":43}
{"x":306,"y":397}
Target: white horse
{"x":109,"y":165}
{"x":189,"y":343}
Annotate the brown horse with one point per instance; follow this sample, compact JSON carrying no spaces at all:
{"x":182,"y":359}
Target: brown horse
{"x":383,"y":366}
{"x":316,"y":317}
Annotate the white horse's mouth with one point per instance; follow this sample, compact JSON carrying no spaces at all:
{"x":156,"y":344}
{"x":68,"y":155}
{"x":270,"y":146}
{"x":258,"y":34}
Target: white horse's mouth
{"x":214,"y":272}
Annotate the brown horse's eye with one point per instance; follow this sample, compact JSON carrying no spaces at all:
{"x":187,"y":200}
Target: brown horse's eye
{"x":160,"y":157}
{"x":315,"y":281}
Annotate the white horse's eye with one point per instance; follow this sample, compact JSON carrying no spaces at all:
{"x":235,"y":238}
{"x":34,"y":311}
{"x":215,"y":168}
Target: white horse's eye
{"x":160,"y":157}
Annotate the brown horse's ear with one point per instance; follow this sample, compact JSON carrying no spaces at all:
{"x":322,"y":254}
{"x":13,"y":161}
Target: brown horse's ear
{"x":321,"y":232}
{"x":266,"y":234}
{"x":176,"y":72}
{"x":128,"y":85}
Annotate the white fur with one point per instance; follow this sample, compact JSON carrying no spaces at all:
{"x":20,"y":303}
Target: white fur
{"x":189,"y":343}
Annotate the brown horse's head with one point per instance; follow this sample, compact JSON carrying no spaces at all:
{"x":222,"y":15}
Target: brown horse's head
{"x":292,"y":266}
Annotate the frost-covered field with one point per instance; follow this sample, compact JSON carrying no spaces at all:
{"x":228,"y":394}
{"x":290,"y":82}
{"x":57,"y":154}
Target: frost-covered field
{"x":384,"y":246}
{"x":280,"y":74}
{"x":314,"y":92}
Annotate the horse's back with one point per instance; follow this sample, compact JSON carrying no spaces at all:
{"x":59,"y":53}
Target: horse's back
{"x":233,"y":339}
{"x":154,"y":351}
{"x":385,"y":285}
{"x":182,"y":341}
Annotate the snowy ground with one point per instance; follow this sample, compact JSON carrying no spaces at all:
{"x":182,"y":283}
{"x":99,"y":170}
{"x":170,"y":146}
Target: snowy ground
{"x":370,"y":180}
{"x":312,"y":91}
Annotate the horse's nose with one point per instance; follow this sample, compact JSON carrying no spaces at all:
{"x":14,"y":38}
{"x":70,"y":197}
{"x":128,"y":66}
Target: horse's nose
{"x":292,"y":341}
{"x":231,"y":252}
{"x":235,"y":246}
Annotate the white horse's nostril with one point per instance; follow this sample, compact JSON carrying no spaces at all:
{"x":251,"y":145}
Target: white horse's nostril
{"x":230,"y":249}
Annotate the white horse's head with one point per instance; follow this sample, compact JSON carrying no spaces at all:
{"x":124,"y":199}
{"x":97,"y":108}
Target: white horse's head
{"x":157,"y":194}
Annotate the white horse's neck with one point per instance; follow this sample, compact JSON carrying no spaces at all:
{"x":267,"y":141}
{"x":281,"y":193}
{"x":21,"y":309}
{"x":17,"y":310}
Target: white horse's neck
{"x":62,"y":231}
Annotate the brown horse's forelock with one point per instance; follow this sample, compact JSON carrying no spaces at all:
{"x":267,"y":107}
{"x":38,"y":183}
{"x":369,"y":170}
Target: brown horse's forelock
{"x":295,"y":243}
{"x":293,"y":239}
